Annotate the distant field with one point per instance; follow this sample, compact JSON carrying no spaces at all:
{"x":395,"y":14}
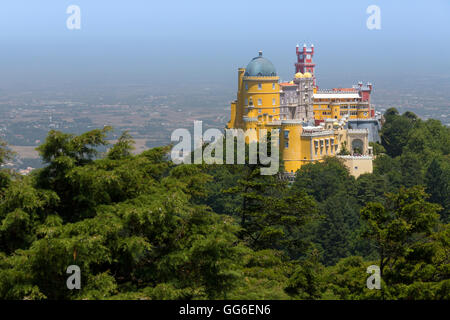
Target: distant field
{"x":139,"y":145}
{"x":26,"y":152}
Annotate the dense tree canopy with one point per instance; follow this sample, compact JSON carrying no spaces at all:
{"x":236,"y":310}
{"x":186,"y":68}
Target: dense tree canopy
{"x":141,"y":227}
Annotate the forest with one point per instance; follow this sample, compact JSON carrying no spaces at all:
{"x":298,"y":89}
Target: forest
{"x":141,"y":227}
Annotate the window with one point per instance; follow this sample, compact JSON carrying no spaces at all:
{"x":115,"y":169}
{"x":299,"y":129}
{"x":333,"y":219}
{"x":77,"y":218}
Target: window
{"x":273,"y":86}
{"x":274,"y":101}
{"x":286,"y":144}
{"x":259,"y":110}
{"x":246,"y":86}
{"x":274,"y":110}
{"x":259,"y":102}
{"x":259,"y":86}
{"x":286,"y":134}
{"x":246,"y":101}
{"x":251,"y":102}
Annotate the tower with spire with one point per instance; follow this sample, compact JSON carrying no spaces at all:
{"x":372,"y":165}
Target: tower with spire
{"x":304,"y":62}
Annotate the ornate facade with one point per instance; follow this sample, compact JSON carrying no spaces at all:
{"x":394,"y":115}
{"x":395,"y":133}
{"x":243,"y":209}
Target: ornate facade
{"x":312,"y":123}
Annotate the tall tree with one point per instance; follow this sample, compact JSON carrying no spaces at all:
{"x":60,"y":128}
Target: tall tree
{"x":270,"y":214}
{"x":336,"y":231}
{"x":394,"y":227}
{"x":5,"y":176}
{"x":411,"y":170}
{"x":438,"y":186}
{"x":324,"y":179}
{"x":395,"y":133}
{"x":5,"y":153}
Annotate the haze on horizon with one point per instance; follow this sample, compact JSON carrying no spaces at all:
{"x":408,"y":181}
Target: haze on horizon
{"x":206,"y":41}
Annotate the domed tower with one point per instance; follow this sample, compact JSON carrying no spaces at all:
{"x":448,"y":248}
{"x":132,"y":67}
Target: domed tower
{"x":260,"y":67}
{"x":258,"y":98}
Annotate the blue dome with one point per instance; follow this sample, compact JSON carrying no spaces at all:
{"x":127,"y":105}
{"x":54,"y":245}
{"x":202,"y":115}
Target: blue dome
{"x":260,"y":67}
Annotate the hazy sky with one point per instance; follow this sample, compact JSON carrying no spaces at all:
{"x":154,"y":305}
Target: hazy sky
{"x":148,"y":41}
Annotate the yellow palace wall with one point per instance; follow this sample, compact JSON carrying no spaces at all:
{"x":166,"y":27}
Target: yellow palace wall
{"x":296,"y":148}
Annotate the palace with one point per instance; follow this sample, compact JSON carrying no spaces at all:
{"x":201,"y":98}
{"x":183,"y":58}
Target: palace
{"x":313,"y":123}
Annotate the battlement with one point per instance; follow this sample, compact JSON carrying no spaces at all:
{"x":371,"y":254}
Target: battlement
{"x":305,"y":49}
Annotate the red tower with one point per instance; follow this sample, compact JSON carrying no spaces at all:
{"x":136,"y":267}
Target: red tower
{"x":304,"y":60}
